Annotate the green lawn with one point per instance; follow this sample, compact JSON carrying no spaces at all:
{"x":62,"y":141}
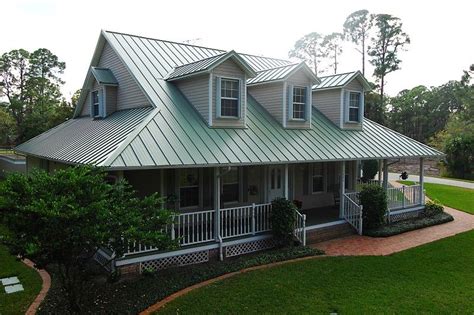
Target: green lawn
{"x":17,"y":303}
{"x":451,"y":196}
{"x":434,"y":278}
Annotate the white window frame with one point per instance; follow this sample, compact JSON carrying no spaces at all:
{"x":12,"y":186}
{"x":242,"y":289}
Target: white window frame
{"x":93,"y":103}
{"x":299,"y":103}
{"x":239,"y":184}
{"x":359,"y":107}
{"x":238,"y":98}
{"x":199,"y":186}
{"x":324,"y":177}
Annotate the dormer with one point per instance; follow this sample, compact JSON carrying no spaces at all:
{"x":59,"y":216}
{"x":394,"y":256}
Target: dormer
{"x":340,"y":98}
{"x":216,"y":87}
{"x":285,"y":92}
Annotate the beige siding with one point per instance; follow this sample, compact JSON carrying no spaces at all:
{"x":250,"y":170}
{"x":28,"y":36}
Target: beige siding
{"x":299,"y":79}
{"x":302,"y":190}
{"x":129,"y":94}
{"x":270,"y":96}
{"x":196,"y":91}
{"x":329,"y":103}
{"x":232,"y":70}
{"x":111,"y":99}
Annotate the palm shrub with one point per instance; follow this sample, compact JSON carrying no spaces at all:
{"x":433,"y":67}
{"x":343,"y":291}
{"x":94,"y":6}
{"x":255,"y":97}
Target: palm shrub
{"x":373,"y":199}
{"x":283,"y":219}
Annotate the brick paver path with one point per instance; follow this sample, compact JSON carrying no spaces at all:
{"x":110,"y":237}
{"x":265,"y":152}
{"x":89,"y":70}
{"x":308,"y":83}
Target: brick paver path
{"x":364,"y":245}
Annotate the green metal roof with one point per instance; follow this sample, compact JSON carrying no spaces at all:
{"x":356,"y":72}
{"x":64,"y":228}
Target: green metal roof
{"x":174,"y":134}
{"x":280,"y":73}
{"x":341,"y":80}
{"x":104,"y":76}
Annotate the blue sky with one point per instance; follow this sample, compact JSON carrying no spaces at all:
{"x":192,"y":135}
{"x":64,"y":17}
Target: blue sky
{"x":441,"y":32}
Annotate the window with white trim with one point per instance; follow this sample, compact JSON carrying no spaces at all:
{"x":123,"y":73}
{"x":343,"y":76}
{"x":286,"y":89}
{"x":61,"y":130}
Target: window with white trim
{"x":188,"y":188}
{"x":230,"y":97}
{"x":95,"y":103}
{"x":231,"y":186}
{"x":317,"y":178}
{"x":299,"y":102}
{"x":354,"y":106}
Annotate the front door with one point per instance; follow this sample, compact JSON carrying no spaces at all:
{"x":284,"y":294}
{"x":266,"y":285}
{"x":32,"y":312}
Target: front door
{"x":275,"y":182}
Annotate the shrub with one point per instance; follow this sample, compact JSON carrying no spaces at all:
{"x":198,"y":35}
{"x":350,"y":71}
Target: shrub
{"x":369,"y":169}
{"x":374,"y":201}
{"x":433,"y":208}
{"x":283,"y":219}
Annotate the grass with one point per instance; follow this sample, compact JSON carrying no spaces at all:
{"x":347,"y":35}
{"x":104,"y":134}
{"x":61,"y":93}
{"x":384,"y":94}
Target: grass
{"x":17,"y":303}
{"x":451,"y":196}
{"x":434,"y":278}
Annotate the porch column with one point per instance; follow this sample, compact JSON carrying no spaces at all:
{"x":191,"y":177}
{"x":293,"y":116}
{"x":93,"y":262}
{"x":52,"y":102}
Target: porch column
{"x":380,"y":172}
{"x":422,"y":186}
{"x":342,"y":189}
{"x":385,"y":174}
{"x":217,"y":203}
{"x":286,"y":181}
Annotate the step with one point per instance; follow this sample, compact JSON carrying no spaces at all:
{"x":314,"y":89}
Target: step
{"x":328,"y":233}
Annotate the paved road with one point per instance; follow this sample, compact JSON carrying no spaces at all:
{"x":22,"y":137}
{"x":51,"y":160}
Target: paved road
{"x":435,"y":180}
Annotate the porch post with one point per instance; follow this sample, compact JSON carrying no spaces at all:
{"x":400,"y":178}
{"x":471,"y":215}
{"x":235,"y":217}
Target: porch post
{"x":286,"y":181}
{"x":385,"y":174}
{"x":380,"y":172}
{"x":217,"y":203}
{"x":422,"y":186}
{"x":342,"y":189}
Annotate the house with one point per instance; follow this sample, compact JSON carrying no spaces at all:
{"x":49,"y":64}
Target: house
{"x":221,"y":134}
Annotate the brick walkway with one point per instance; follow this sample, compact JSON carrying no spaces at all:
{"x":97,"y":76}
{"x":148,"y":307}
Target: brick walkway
{"x":44,"y":289}
{"x":363,"y":245}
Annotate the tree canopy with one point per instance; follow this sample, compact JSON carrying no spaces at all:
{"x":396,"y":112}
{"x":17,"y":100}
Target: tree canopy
{"x":309,"y":49}
{"x":356,"y":28}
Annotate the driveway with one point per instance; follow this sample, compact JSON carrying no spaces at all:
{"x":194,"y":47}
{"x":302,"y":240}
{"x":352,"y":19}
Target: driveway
{"x":434,"y":180}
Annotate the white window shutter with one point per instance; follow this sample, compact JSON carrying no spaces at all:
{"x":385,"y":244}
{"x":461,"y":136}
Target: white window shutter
{"x":361,"y":107}
{"x":91,"y":104}
{"x":101,"y":102}
{"x":309,"y":103}
{"x":290,"y":101}
{"x":218,"y":97}
{"x":240,"y":102}
{"x":346,"y":106}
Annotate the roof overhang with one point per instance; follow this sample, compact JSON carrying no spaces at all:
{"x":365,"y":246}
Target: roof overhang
{"x":104,"y":76}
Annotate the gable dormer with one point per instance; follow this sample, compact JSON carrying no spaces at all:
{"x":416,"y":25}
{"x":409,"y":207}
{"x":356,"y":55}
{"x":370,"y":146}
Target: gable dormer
{"x":103,"y":94}
{"x":285,"y":92}
{"x":216,"y":87}
{"x":340,"y":98}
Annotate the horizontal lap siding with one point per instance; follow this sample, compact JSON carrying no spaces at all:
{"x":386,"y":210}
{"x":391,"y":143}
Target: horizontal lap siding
{"x":111,"y":97}
{"x":354,"y":85}
{"x":270,"y":96}
{"x":229,"y":69}
{"x":329,"y":103}
{"x":299,"y":79}
{"x":196,"y":90}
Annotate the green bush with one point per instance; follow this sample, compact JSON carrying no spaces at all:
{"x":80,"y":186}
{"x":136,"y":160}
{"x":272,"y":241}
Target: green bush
{"x":433,"y":208}
{"x":369,"y":169}
{"x":374,"y":201}
{"x":283,"y":219}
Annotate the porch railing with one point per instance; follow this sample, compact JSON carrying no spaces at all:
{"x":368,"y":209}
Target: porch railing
{"x":352,"y":212}
{"x":300,"y":227}
{"x":246,"y":220}
{"x":404,"y":197}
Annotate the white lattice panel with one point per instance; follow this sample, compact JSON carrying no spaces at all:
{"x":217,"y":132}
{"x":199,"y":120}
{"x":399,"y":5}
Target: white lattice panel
{"x":395,"y":217}
{"x":180,"y":260}
{"x":250,"y":247}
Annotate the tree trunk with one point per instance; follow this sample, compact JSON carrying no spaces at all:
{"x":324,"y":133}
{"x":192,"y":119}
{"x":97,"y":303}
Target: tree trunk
{"x":335,"y":60}
{"x":382,"y":83}
{"x":363,"y":56}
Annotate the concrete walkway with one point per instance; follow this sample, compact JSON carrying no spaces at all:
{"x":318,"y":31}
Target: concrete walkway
{"x":356,"y":245}
{"x":434,"y":180}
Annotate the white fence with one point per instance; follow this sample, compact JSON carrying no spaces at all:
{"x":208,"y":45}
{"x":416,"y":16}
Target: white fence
{"x":353,"y":211}
{"x":300,"y":227}
{"x":404,"y":197}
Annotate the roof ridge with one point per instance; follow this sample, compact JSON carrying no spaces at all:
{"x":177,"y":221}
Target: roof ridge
{"x":200,"y":60}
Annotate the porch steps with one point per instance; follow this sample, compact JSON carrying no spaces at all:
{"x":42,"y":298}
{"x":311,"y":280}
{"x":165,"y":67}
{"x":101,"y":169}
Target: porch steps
{"x":329,"y":232}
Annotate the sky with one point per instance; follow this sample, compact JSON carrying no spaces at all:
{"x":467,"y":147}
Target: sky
{"x":441,"y":32}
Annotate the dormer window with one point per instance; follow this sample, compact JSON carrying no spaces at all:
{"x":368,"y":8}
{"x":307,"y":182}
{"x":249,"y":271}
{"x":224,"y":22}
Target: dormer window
{"x":229,"y":101}
{"x":354,"y":106}
{"x":95,"y":103}
{"x":299,"y":102}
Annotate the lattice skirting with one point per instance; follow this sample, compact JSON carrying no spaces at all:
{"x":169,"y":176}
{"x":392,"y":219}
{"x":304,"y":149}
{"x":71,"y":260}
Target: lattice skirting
{"x":246,"y":248}
{"x":104,"y":260}
{"x":179,"y":260}
{"x":400,"y":216}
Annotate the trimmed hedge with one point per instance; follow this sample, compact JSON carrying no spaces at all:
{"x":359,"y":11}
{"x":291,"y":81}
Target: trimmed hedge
{"x":133,"y":296}
{"x":409,"y":225}
{"x":373,"y":198}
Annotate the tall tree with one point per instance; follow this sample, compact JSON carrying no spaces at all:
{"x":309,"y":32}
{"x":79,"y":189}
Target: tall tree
{"x":373,"y":109}
{"x":332,"y":48}
{"x":309,"y":49}
{"x":356,"y":29}
{"x":388,"y":41}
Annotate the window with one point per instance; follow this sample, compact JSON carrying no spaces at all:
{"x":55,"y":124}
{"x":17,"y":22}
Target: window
{"x":275,"y":178}
{"x":299,"y":102}
{"x":229,"y":98}
{"x":354,"y":106}
{"x":189,"y":188}
{"x":230,"y":186}
{"x":95,"y":103}
{"x":318,"y":177}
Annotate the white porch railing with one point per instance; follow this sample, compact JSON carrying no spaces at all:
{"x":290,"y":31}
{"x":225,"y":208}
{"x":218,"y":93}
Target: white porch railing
{"x":404,"y":197}
{"x":354,"y":196}
{"x":245,"y":220}
{"x":353,"y":211}
{"x":300,"y":227}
